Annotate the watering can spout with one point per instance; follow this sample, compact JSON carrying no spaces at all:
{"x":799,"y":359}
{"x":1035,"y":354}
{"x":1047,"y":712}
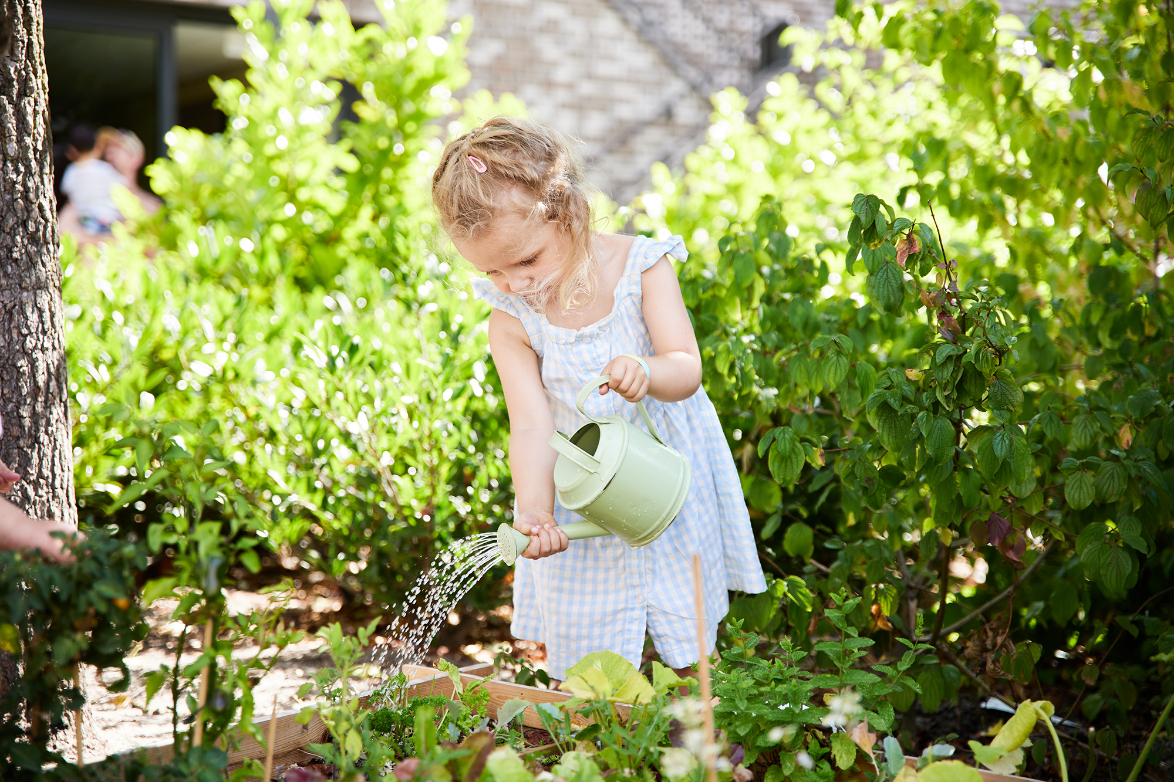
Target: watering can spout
{"x":511,"y":543}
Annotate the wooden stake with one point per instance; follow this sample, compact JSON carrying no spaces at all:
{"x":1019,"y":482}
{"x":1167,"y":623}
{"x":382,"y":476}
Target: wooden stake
{"x":269,"y":744}
{"x":703,"y":675}
{"x":205,"y":676}
{"x":77,"y":716}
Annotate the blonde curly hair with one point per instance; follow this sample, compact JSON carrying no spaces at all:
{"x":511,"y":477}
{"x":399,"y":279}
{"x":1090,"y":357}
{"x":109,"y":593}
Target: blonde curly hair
{"x":531,"y":168}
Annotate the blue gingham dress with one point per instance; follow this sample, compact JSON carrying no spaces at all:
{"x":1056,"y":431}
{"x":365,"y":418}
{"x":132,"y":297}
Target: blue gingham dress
{"x":602,"y":593}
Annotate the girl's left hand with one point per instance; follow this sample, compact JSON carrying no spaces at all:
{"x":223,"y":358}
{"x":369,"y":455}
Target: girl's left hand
{"x":628,"y":379}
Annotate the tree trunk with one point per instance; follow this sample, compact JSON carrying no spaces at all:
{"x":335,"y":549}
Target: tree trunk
{"x":33,"y":403}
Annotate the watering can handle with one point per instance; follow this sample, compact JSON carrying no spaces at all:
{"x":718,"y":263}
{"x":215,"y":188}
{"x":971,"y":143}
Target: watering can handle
{"x":565,"y":447}
{"x":581,"y":400}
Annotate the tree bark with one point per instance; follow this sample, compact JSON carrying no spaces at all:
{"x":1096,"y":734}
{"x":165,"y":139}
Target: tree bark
{"x":34,"y":403}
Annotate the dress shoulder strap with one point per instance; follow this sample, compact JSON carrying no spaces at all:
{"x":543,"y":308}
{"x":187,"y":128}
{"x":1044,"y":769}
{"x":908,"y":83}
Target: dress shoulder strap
{"x":486,"y":291}
{"x":644,"y":253}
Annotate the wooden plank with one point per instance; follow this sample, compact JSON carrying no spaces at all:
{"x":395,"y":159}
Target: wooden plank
{"x":500,"y":692}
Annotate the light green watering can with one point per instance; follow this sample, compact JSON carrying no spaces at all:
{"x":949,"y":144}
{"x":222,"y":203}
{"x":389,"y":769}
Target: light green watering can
{"x":624,"y":481}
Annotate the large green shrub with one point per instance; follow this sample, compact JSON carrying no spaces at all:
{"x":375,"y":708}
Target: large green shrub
{"x":324,"y":161}
{"x":285,"y":307}
{"x":899,"y":408}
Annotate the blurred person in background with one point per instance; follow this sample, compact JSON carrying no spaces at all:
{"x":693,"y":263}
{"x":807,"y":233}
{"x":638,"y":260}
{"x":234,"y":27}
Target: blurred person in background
{"x":87,"y":181}
{"x":124,"y":151}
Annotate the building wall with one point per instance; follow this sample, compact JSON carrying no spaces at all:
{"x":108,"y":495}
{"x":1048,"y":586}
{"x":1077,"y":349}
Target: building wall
{"x":631,"y":79}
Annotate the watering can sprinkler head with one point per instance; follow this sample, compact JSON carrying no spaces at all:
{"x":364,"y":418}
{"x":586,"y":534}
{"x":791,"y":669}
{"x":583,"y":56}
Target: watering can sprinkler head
{"x":510,"y":543}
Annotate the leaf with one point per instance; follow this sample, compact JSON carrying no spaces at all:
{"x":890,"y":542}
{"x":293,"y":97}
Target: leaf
{"x":786,"y":457}
{"x":1093,"y":559}
{"x":607,"y":675}
{"x":892,"y":427}
{"x":888,"y":286}
{"x":1115,"y":569}
{"x":764,"y":443}
{"x":933,"y":689}
{"x":510,"y":709}
{"x":353,"y":745}
{"x":454,"y":676}
{"x":1003,"y":392}
{"x":1078,"y":490}
{"x":1110,"y":482}
{"x":1017,"y":729}
{"x":251,"y":561}
{"x":844,"y":750}
{"x":1085,"y":431}
{"x":986,"y":458}
{"x":154,"y":682}
{"x":1143,"y":402}
{"x":970,"y":487}
{"x":9,"y":639}
{"x":865,"y":378}
{"x":665,"y":679}
{"x":1001,"y":440}
{"x":894,"y":756}
{"x":939,"y":442}
{"x":590,"y":684}
{"x":157,"y":588}
{"x":835,"y":369}
{"x":799,"y":540}
{"x":1021,"y":462}
{"x":1053,"y":427}
{"x":949,"y":771}
{"x":998,"y":528}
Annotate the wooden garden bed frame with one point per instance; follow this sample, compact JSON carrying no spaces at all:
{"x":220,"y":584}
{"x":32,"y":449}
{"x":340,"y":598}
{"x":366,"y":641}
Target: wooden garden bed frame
{"x":291,"y":737}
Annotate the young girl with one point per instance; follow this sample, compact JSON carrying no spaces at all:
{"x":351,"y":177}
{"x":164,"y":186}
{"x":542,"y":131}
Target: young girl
{"x":570,"y":303}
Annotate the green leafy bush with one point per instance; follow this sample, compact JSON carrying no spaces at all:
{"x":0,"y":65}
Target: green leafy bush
{"x":55,"y":618}
{"x":1002,"y":403}
{"x":293,"y":316}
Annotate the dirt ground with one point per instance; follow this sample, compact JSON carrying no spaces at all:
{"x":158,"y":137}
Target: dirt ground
{"x":115,"y":723}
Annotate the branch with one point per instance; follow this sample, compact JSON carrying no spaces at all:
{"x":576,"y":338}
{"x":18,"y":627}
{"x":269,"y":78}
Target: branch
{"x":945,"y":592}
{"x":994,"y":600}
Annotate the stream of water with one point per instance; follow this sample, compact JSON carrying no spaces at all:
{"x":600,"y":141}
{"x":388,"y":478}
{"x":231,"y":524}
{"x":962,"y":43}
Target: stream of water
{"x":452,"y":574}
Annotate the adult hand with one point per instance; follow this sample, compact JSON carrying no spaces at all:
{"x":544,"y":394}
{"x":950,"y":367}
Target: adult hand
{"x":7,"y":478}
{"x":545,"y":536}
{"x":628,"y":379}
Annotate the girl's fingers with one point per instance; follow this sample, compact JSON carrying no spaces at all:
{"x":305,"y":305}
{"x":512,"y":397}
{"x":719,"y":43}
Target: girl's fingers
{"x":546,"y":540}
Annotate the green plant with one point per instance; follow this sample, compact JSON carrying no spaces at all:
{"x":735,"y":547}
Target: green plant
{"x":352,"y":442}
{"x":1050,"y":288}
{"x":55,"y":618}
{"x":355,"y":750}
{"x":629,"y":745}
{"x":464,"y":713}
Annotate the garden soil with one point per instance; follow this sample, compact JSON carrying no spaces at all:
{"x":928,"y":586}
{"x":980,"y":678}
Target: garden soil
{"x":119,"y":722}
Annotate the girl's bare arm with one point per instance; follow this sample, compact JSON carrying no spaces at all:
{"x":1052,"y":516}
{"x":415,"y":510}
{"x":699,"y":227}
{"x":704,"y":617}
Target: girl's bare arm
{"x":676,"y":368}
{"x":531,"y":426}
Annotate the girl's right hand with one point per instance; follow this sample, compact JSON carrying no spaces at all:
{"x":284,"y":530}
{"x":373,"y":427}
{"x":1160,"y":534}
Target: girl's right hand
{"x":545,"y":536}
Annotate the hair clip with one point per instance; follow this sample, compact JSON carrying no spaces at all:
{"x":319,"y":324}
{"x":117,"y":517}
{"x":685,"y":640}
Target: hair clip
{"x":477,"y":164}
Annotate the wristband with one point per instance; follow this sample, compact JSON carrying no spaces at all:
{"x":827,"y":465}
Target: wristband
{"x":642,"y":363}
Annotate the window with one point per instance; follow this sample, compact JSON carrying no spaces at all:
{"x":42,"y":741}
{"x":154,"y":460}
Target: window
{"x":774,"y":55}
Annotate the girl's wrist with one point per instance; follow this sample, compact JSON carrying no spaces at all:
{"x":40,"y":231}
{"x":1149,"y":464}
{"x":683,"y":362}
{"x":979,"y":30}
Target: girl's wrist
{"x":643,"y":364}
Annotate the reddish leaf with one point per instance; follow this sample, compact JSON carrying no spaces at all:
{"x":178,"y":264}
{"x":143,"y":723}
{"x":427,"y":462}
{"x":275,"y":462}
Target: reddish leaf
{"x":1013,"y":547}
{"x":406,"y":769}
{"x":998,"y":528}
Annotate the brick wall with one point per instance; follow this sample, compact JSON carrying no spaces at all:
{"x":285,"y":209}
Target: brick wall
{"x":630,"y":78}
